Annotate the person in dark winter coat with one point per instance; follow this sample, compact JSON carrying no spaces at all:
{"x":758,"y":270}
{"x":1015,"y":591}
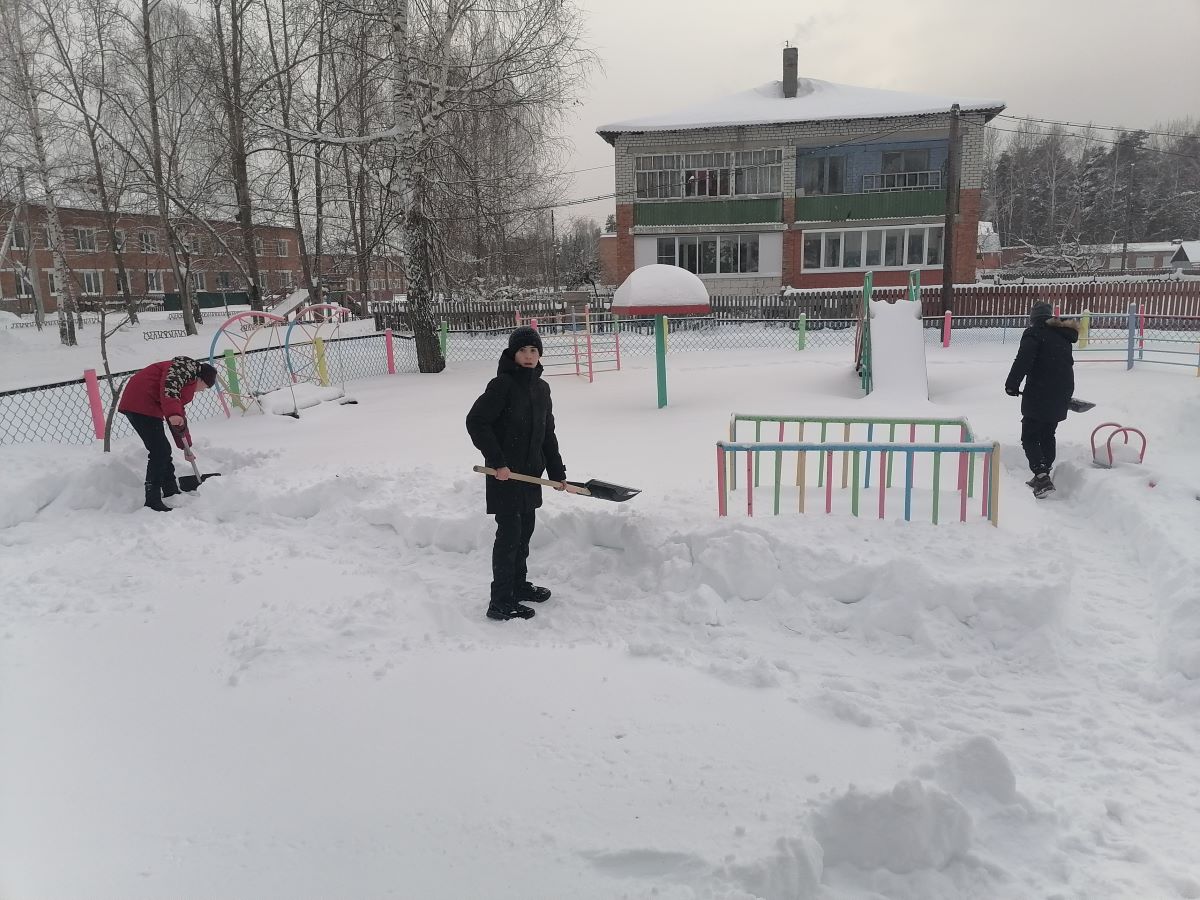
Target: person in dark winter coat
{"x":161,"y":391}
{"x":512,"y":425}
{"x":1045,"y":364}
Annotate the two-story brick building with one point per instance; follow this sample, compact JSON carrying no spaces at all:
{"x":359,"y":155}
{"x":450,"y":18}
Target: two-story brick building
{"x":800,"y":183}
{"x":92,"y":263}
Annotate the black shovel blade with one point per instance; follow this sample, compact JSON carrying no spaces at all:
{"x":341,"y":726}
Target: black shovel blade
{"x":1077,"y":405}
{"x":190,"y":482}
{"x":603,"y":490}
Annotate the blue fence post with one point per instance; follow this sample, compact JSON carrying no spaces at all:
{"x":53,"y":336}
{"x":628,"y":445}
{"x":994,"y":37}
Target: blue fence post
{"x":1132,"y":336}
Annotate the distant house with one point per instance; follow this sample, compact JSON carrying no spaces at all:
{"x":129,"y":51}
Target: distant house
{"x":1136,"y":256}
{"x":1186,"y":257}
{"x":800,"y":183}
{"x":988,"y":253}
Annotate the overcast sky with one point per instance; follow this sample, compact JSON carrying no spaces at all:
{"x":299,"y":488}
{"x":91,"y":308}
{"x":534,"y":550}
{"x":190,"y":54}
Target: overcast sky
{"x":1112,"y":62}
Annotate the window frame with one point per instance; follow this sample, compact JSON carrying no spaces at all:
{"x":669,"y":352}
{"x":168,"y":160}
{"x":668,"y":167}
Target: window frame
{"x":708,"y":174}
{"x":873,"y":241}
{"x":720,"y":240}
{"x":154,"y":277}
{"x":148,"y":241}
{"x":83,"y":237}
{"x":86,"y":275}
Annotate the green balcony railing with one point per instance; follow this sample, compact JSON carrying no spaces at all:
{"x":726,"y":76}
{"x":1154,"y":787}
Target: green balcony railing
{"x":709,"y":212}
{"x":875,"y":205}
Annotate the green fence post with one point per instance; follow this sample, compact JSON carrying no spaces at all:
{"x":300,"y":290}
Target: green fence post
{"x":444,"y":337}
{"x":231,"y":379}
{"x":801,"y":331}
{"x":660,"y":358}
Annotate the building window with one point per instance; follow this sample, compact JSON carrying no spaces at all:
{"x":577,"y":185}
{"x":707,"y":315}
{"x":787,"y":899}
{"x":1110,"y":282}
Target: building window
{"x":223,"y":281}
{"x":92,"y":281}
{"x":122,"y":283}
{"x":120,"y":233}
{"x":49,"y":238}
{"x":717,"y":174}
{"x":195,"y":245}
{"x":821,"y":175}
{"x":903,"y":170}
{"x":895,"y":161}
{"x":258,"y":246}
{"x":871,"y":248}
{"x":85,"y":239}
{"x":710,"y":254}
{"x":281,"y":248}
{"x":24,"y":287}
{"x":154,"y":282}
{"x":52,"y":282}
{"x":149,"y":241}
{"x":18,"y":240}
{"x":197,"y":281}
{"x":286,"y":280}
{"x":758,"y":172}
{"x":1144,"y":262}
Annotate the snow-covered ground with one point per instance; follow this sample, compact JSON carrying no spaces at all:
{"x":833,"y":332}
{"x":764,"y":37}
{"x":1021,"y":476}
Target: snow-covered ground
{"x":287,"y":687}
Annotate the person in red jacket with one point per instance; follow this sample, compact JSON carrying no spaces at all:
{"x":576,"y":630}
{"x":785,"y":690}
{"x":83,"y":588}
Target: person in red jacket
{"x":161,"y":391}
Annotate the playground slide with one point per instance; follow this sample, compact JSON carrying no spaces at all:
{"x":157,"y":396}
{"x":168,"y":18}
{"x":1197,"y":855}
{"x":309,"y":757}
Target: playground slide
{"x":288,"y":304}
{"x":898,"y":351}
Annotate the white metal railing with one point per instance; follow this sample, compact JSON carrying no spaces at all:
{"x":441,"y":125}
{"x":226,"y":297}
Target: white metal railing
{"x":902,"y":181}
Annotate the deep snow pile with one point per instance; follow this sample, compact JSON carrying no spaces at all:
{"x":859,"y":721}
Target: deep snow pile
{"x":287,"y":687}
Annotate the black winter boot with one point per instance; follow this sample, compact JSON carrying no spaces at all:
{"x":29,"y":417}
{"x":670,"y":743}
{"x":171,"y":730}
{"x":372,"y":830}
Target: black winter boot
{"x":1042,"y":485}
{"x":154,"y":498}
{"x":170,"y":486}
{"x":511,"y":610}
{"x":531,"y":593}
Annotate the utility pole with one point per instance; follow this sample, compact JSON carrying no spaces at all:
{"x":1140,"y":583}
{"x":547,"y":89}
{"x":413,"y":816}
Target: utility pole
{"x":554,"y":250}
{"x":952,"y":179}
{"x":39,"y":307}
{"x":1128,"y":216}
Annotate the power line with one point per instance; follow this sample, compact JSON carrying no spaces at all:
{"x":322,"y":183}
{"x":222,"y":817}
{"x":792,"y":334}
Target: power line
{"x":1123,"y":128}
{"x":1189,"y":156}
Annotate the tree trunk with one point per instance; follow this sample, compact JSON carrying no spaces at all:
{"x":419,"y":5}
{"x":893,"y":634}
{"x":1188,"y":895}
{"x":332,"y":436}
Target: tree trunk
{"x":160,"y":188}
{"x":231,"y":99}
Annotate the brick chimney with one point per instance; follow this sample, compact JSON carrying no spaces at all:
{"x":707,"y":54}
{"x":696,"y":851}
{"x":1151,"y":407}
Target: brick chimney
{"x":791,"y":61}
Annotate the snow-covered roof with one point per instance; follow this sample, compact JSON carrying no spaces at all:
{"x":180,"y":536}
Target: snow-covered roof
{"x":1187,"y":251}
{"x":661,"y":290}
{"x":815,"y":100}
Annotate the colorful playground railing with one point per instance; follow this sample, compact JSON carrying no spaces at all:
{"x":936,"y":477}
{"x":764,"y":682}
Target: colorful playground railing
{"x":857,"y":475}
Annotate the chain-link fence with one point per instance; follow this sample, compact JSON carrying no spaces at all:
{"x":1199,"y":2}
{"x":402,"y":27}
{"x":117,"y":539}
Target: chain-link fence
{"x":61,"y":412}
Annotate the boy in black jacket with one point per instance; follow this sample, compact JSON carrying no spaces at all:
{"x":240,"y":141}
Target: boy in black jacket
{"x":1044,"y":361}
{"x":512,"y":425}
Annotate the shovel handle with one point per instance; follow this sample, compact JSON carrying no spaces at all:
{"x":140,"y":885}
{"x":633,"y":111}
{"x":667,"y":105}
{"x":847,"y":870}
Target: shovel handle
{"x":517,"y":476}
{"x":182,"y":435}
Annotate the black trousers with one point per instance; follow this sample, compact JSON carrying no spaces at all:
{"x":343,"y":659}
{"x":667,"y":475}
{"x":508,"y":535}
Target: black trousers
{"x":1037,"y":440}
{"x":160,"y":468}
{"x":510,"y":553}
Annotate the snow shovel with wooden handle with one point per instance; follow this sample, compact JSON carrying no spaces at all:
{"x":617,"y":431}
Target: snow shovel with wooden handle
{"x":601,"y":490}
{"x":191,"y":482}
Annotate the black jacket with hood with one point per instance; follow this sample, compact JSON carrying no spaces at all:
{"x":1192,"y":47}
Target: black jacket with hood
{"x":1044,"y":362}
{"x":512,"y":424}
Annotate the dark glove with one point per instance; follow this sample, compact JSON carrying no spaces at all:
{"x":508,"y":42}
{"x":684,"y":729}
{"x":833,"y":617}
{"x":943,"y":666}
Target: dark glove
{"x":1012,"y":392}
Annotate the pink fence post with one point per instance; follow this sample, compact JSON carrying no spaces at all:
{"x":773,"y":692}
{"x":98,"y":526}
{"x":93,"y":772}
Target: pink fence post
{"x":987,"y":483}
{"x":882,"y":481}
{"x":946,"y":328}
{"x":93,"y":392}
{"x":224,"y":404}
{"x":721,"y":508}
{"x":391,"y":351}
{"x":962,"y":487}
{"x":828,"y":482}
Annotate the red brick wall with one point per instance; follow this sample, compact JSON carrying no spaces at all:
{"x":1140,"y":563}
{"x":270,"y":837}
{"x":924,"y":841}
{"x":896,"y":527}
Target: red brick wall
{"x":624,"y":239}
{"x":607,"y":251}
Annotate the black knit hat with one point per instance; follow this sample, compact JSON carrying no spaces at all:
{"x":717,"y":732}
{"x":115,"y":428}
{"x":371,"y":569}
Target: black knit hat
{"x":1041,"y":312}
{"x":207,"y":374}
{"x":525,"y":336}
